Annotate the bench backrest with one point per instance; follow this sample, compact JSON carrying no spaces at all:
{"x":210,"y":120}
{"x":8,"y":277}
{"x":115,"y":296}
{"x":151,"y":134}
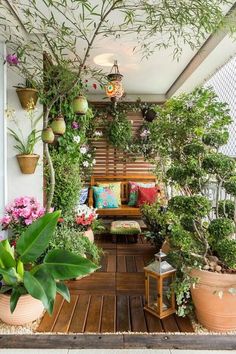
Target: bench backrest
{"x":124,"y":179}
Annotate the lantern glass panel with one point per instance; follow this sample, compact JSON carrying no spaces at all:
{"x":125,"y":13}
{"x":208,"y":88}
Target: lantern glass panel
{"x":152,"y":293}
{"x":166,"y":293}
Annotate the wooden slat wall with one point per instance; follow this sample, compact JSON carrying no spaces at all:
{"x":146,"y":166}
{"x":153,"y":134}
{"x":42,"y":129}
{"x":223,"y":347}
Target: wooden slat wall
{"x":110,"y":161}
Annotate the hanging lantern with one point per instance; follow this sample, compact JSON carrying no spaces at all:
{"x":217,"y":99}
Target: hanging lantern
{"x":80,"y":105}
{"x":114,"y":88}
{"x":159,"y":275}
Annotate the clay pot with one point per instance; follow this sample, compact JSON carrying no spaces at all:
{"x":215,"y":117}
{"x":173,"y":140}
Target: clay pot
{"x":47,"y":135}
{"x":58,"y":125}
{"x":89,"y":233}
{"x":214,"y":312}
{"x":28,"y":309}
{"x":28,"y":97}
{"x":27,"y":163}
{"x":80,"y":105}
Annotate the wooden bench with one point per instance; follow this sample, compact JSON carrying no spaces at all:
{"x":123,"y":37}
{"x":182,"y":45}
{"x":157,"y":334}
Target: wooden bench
{"x":124,"y":209}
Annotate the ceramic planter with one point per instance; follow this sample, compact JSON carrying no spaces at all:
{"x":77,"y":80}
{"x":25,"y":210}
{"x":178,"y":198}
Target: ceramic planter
{"x":89,"y":233}
{"x":58,"y":125}
{"x":28,"y":309}
{"x":28,"y":97}
{"x":216,"y":313}
{"x":80,"y":105}
{"x":47,"y":135}
{"x":27,"y":163}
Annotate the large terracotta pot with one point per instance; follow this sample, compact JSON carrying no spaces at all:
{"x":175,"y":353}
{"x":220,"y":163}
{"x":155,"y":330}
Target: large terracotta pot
{"x":28,"y":309}
{"x":28,"y":97}
{"x":216,"y":313}
{"x":28,"y":163}
{"x":89,"y":233}
{"x":80,"y":105}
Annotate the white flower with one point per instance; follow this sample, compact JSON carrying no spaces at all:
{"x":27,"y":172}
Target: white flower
{"x":98,"y":133}
{"x":76,"y":139}
{"x":94,"y":161}
{"x":145,"y":133}
{"x":89,"y":155}
{"x":83,"y":150}
{"x":85,"y":164}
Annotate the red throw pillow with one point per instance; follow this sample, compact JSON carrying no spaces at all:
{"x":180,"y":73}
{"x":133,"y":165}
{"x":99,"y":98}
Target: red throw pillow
{"x":148,"y":195}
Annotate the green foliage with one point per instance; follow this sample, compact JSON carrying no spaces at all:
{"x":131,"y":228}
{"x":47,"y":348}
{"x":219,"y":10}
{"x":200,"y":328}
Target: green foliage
{"x":226,"y":250}
{"x":220,"y":228}
{"x":25,"y":148}
{"x":230,"y":186}
{"x":218,"y":164}
{"x":216,"y":139}
{"x":119,"y":131}
{"x":22,"y":276}
{"x":226,"y":209}
{"x":196,"y":206}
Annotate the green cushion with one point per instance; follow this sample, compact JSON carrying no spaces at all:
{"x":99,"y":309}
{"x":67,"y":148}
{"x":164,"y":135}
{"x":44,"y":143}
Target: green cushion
{"x":127,"y":227}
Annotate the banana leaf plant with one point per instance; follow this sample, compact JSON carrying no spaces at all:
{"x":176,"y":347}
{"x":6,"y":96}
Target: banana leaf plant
{"x":21,"y":275}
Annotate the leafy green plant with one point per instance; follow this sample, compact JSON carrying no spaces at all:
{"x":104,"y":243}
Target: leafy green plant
{"x":119,"y":131}
{"x":42,"y":281}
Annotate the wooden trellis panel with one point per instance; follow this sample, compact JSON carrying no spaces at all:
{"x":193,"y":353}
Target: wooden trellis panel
{"x":110,"y":161}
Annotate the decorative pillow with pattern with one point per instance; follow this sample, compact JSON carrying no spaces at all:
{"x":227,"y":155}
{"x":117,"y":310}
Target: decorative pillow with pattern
{"x":83,"y":195}
{"x":115,"y":187}
{"x":133,"y":191}
{"x":104,"y":198}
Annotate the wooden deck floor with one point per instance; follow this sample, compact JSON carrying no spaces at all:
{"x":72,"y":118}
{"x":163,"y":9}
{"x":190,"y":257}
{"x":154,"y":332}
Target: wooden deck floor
{"x":111,"y":300}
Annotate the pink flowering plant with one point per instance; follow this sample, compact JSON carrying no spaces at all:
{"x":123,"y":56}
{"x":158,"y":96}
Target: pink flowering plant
{"x":20,"y":214}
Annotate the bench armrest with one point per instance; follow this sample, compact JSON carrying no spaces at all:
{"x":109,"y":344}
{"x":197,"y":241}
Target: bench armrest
{"x":90,"y":201}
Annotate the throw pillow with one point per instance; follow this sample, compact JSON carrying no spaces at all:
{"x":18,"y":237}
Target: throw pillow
{"x":133,"y":191}
{"x":83,"y":195}
{"x":147,"y":195}
{"x":104,"y":198}
{"x":115,"y":188}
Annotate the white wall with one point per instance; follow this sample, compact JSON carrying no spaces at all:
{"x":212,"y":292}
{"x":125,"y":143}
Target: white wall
{"x":21,"y":184}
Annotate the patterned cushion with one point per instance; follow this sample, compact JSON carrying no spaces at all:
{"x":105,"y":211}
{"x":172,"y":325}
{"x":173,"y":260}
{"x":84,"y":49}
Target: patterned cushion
{"x":126,"y":227}
{"x":133,"y":191}
{"x":104,"y":198}
{"x":83,"y":195}
{"x":115,"y":187}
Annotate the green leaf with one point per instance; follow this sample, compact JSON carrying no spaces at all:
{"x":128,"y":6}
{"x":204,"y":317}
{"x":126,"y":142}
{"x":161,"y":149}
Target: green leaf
{"x":15,"y":295}
{"x":41,"y":286}
{"x":6,"y":257}
{"x":62,"y":265}
{"x":35,"y":239}
{"x":9,"y":276}
{"x":63,"y":291}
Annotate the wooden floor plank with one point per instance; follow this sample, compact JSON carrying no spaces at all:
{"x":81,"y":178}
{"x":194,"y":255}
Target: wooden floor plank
{"x":111,"y":263}
{"x":63,"y":320}
{"x":97,"y":283}
{"x":93,"y":322}
{"x":123,"y":323}
{"x":121,"y":264}
{"x":48,"y":322}
{"x":138,"y":322}
{"x":108,"y":322}
{"x":79,"y":318}
{"x":130,"y":264}
{"x":169,"y":324}
{"x":184,"y":324}
{"x":153,"y":323}
{"x":130,"y":283}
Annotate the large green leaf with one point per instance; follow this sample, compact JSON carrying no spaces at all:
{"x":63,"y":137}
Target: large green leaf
{"x":15,"y":295}
{"x":41,"y":286}
{"x":63,"y":265}
{"x":36,"y":238}
{"x":9,"y":276}
{"x":63,"y":291}
{"x":6,"y":258}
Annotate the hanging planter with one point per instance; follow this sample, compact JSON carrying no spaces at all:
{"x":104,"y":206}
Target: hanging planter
{"x":149,"y":114}
{"x":80,"y":105}
{"x":28,"y":97}
{"x":47,"y":135}
{"x":58,"y":125}
{"x":27,"y":163}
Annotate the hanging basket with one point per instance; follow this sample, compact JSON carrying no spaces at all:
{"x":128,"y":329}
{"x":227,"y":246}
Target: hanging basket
{"x":28,"y":97}
{"x":28,"y":163}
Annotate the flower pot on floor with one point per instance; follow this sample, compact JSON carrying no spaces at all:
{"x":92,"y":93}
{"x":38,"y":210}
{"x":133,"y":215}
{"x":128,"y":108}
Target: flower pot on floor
{"x":215,"y":305}
{"x":89,"y":233}
{"x":28,"y":97}
{"x":28,"y":309}
{"x":27,"y":163}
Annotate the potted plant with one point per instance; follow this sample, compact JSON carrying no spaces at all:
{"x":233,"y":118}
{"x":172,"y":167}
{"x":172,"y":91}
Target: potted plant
{"x":29,"y":286}
{"x":27,"y":95}
{"x":202,"y":232}
{"x":86,"y":221}
{"x":26,"y":157}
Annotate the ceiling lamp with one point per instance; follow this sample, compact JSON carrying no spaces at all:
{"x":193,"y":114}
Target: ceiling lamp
{"x":114,"y":88}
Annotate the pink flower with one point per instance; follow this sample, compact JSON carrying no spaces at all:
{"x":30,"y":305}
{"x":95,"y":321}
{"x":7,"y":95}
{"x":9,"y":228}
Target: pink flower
{"x":6,"y":220}
{"x":95,"y":86}
{"x":12,"y":59}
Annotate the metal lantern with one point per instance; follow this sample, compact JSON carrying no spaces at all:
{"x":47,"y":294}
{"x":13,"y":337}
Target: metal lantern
{"x":114,"y":88}
{"x":159,"y":275}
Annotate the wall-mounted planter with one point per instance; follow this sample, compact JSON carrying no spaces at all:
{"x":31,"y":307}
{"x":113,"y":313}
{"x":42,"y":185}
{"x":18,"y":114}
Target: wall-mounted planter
{"x":28,"y":163}
{"x":28,"y":97}
{"x":80,"y":105}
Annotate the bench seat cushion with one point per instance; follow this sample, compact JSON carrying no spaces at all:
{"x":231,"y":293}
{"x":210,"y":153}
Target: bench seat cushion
{"x":125,"y":227}
{"x":124,"y":210}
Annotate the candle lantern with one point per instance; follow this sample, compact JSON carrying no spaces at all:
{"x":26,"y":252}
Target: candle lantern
{"x":159,"y":275}
{"x":114,"y":88}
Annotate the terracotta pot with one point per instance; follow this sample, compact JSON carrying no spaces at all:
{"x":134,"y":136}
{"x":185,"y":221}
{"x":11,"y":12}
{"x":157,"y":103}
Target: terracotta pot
{"x":28,"y":163}
{"x":28,"y":309}
{"x":214,"y":312}
{"x":89,"y":233}
{"x":80,"y":105}
{"x":28,"y":97}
